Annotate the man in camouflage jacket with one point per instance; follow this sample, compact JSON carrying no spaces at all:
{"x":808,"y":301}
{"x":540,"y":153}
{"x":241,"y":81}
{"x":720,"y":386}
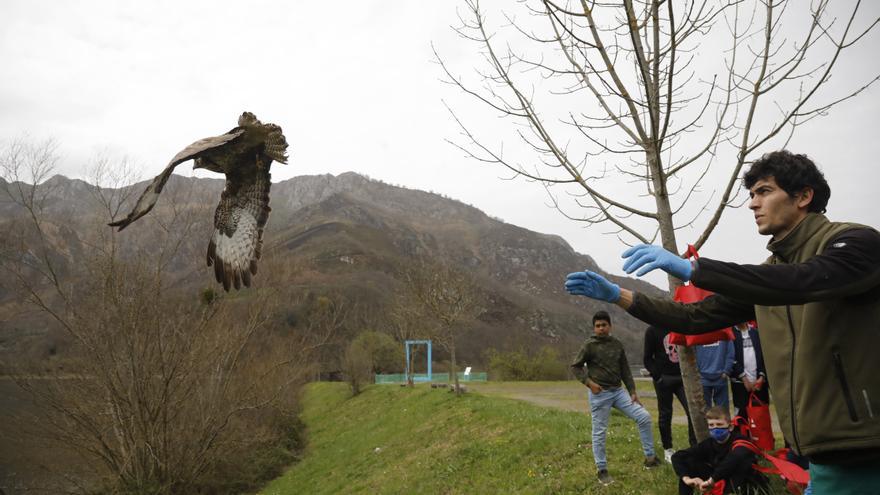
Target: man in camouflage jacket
{"x":601,"y":365}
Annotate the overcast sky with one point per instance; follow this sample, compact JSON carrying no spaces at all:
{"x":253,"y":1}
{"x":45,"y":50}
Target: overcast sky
{"x":355,"y":88}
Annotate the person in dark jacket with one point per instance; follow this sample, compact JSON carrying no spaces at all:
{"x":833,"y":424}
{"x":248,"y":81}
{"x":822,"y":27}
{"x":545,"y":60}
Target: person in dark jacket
{"x":749,"y":374}
{"x":661,"y":360}
{"x":816,"y":300}
{"x":601,"y":365}
{"x":716,"y":459}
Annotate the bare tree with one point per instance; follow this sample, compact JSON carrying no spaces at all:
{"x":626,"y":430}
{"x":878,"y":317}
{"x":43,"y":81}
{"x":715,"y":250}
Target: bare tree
{"x":626,"y":107}
{"x":406,"y":323}
{"x":327,"y":320}
{"x":448,"y":299}
{"x":164,"y":384}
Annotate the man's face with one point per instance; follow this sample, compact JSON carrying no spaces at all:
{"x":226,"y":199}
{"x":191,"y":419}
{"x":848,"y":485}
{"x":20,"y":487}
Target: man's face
{"x":601,"y":328}
{"x":777,"y":213}
{"x":718,"y":423}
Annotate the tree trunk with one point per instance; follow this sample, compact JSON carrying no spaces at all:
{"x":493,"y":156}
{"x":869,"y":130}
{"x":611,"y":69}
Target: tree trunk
{"x":690,"y":375}
{"x":693,"y":389}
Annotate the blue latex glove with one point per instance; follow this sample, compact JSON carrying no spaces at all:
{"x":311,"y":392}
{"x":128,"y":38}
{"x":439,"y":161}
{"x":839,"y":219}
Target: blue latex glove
{"x":648,"y":257}
{"x":592,"y":285}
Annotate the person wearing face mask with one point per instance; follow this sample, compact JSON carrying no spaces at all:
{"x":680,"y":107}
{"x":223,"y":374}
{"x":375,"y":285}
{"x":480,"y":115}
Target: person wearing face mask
{"x":700,"y":467}
{"x":661,"y":360}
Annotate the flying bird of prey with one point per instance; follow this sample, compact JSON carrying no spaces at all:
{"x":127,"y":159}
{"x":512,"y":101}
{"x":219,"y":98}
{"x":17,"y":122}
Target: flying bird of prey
{"x":244,"y":155}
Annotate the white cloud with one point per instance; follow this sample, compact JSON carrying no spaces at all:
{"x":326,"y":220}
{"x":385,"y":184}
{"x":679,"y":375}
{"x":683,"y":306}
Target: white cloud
{"x":352,"y":84}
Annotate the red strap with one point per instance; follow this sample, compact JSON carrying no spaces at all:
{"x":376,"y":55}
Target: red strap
{"x":755,"y":400}
{"x":779,"y":465}
{"x":743,"y":425}
{"x":754,"y":448}
{"x":747,"y":444}
{"x":691,"y":252}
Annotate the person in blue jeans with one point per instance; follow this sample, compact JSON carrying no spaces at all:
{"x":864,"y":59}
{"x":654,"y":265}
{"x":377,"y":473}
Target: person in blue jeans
{"x":715,"y":362}
{"x":601,"y":365}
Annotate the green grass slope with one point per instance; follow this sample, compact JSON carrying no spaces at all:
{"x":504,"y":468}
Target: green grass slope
{"x":391,"y":439}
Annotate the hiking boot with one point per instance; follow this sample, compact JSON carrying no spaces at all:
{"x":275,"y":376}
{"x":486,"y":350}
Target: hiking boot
{"x":652,"y":462}
{"x":667,"y":454}
{"x":604,"y":477}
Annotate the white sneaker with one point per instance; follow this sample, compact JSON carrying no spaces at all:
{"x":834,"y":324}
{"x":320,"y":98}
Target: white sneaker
{"x":667,"y":454}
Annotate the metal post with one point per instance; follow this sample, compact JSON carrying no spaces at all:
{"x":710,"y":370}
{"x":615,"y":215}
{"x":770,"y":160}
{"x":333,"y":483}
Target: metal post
{"x":408,"y":343}
{"x":407,"y":361}
{"x":429,"y":360}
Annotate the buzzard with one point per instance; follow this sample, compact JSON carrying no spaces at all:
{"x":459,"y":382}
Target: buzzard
{"x":244,"y":155}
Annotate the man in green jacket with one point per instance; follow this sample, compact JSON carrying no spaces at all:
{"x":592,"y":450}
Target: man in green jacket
{"x":601,"y":365}
{"x":817,"y":303}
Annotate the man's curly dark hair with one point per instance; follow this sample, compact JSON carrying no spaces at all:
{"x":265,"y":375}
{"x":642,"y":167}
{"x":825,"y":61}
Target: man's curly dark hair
{"x":793,"y":173}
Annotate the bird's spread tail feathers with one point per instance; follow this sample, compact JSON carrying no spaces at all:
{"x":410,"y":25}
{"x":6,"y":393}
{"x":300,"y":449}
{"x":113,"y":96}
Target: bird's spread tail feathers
{"x":276,"y":144}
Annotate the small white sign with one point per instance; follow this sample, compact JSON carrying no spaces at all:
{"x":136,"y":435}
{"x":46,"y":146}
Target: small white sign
{"x":467,"y":371}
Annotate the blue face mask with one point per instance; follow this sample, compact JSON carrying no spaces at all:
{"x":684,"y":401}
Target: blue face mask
{"x":719,"y":434}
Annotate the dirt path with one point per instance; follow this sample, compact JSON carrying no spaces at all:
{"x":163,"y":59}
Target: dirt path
{"x":572,"y":396}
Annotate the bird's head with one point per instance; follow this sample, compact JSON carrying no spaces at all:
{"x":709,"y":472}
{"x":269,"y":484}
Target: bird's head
{"x":248,"y":119}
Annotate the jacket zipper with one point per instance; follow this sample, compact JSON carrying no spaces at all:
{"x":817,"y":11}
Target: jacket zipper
{"x":841,"y":377}
{"x":797,"y":443}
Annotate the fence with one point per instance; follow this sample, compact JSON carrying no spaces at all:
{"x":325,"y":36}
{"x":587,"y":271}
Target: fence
{"x":435,"y":377}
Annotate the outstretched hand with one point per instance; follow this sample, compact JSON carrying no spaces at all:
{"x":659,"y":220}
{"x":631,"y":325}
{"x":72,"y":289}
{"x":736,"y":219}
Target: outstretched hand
{"x":646,"y":257}
{"x":706,"y":485}
{"x":692,"y":482}
{"x":592,"y":285}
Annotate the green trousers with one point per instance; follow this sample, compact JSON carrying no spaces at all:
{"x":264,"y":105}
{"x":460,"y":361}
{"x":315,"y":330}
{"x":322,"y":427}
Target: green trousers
{"x":828,"y":479}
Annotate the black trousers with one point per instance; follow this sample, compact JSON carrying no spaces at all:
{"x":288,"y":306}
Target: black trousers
{"x":666,"y":388}
{"x":741,"y":397}
{"x":744,"y":481}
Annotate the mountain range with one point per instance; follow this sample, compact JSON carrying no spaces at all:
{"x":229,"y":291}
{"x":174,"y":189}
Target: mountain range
{"x":351,"y":233}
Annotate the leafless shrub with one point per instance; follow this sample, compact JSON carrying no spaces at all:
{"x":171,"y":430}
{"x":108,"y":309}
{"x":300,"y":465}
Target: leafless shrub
{"x":166,"y":388}
{"x":448,"y":301}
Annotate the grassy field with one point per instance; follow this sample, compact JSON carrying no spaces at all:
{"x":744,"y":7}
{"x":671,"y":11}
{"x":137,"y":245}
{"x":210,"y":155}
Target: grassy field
{"x":397,"y":440}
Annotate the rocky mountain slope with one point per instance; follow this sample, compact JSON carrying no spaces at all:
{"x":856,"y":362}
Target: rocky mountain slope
{"x":351,"y":233}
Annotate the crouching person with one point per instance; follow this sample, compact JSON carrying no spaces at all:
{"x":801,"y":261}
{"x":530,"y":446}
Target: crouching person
{"x":713,"y":460}
{"x":606,"y":366}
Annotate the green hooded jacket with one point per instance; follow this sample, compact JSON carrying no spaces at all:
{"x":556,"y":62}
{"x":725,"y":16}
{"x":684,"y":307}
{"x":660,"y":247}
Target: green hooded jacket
{"x":817,"y":305}
{"x":605,"y":361}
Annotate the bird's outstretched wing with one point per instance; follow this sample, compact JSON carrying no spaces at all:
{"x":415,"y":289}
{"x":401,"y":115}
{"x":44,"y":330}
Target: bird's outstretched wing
{"x":237,"y":240}
{"x":148,"y":198}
